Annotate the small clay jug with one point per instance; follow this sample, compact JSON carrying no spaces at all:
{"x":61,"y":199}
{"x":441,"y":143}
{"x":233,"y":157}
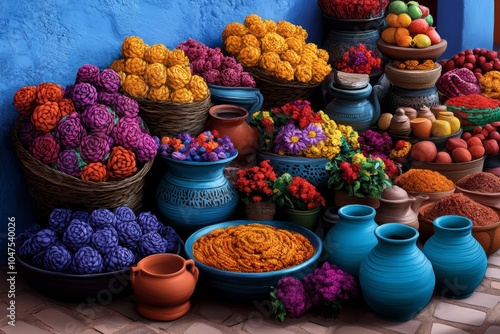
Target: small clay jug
{"x":426,"y":112}
{"x":410,"y":112}
{"x":163,"y":284}
{"x":400,"y":123}
{"x":437,"y":109}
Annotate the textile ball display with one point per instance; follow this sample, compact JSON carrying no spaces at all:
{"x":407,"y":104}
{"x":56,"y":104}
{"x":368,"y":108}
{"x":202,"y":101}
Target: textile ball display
{"x":66,"y":107}
{"x":127,"y":133}
{"x":170,"y":235}
{"x":95,"y":147}
{"x":59,"y":219}
{"x":104,"y":240}
{"x":125,"y":106}
{"x":29,"y":248}
{"x":101,"y":218}
{"x":88,"y":73}
{"x":108,"y":81}
{"x":77,"y":235}
{"x":99,"y":118}
{"x":44,"y":238}
{"x":121,"y":163}
{"x":151,"y":243}
{"x":124,"y":214}
{"x":147,"y":147}
{"x":27,"y":132}
{"x":45,"y":148}
{"x":84,"y":95}
{"x":129,"y":234}
{"x":87,"y":261}
{"x":80,"y":215}
{"x":69,"y":131}
{"x":118,"y":258}
{"x":148,"y":222}
{"x":39,"y":259}
{"x":24,"y":100}
{"x":108,"y":99}
{"x":57,"y":258}
{"x":69,"y":162}
{"x":95,"y":172}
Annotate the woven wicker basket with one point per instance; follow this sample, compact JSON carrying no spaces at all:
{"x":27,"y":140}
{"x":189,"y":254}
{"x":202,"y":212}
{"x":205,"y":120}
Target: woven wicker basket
{"x":50,"y":189}
{"x":170,"y":119}
{"x":278,"y":92}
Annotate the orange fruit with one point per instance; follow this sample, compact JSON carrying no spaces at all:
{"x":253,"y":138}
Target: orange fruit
{"x":401,"y":32}
{"x":392,"y":20}
{"x":405,"y":41}
{"x":404,"y":20}
{"x":388,"y":35}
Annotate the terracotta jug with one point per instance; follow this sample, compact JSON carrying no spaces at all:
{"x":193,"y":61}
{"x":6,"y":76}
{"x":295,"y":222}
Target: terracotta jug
{"x":163,"y":284}
{"x":230,"y":120}
{"x":396,"y":206}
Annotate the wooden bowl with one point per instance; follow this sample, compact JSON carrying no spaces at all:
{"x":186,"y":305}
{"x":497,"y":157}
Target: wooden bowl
{"x":433,"y":196}
{"x":397,"y":52}
{"x":453,"y":171}
{"x":489,"y":199}
{"x":413,"y":79}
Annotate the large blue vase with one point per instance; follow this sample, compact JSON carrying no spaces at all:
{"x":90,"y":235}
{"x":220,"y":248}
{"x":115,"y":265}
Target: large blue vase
{"x":352,"y":237}
{"x":191,"y":195}
{"x":396,"y":278}
{"x":458,"y":259}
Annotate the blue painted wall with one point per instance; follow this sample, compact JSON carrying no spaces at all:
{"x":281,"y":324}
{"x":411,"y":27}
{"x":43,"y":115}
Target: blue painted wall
{"x":47,"y":41}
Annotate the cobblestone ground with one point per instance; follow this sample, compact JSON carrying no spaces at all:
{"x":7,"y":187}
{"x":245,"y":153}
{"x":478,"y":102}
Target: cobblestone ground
{"x":37,"y":314}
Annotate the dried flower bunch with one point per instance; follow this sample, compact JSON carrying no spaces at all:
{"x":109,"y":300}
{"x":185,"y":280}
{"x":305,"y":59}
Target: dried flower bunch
{"x":296,"y":129}
{"x":256,"y":184}
{"x":156,"y":73}
{"x":278,"y":48}
{"x":325,"y":291}
{"x":215,"y":67}
{"x":359,"y":59}
{"x":207,"y":146}
{"x":79,"y":242}
{"x":357,"y":9}
{"x":88,"y":129}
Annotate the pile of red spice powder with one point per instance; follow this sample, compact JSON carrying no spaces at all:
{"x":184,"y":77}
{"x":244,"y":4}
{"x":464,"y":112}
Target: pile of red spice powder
{"x":483,"y":182}
{"x":459,"y":204}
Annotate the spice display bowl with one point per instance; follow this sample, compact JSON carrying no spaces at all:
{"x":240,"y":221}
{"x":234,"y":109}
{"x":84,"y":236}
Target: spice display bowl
{"x":439,"y":141}
{"x":398,"y":52}
{"x":245,"y":286}
{"x":488,"y":235}
{"x":453,"y":171}
{"x":489,"y":199}
{"x":413,"y":79}
{"x":433,"y":196}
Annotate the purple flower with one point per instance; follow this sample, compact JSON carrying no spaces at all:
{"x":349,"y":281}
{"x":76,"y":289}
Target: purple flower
{"x":358,"y":58}
{"x":88,"y":73}
{"x":99,"y":118}
{"x":57,"y":258}
{"x":170,"y":235}
{"x":313,"y":134}
{"x":151,"y":243}
{"x":45,"y":148}
{"x":69,"y":131}
{"x":104,"y":240}
{"x":95,"y":147}
{"x":77,"y":235}
{"x":215,"y":56}
{"x":86,"y":261}
{"x":27,"y":132}
{"x":230,"y":77}
{"x":146,"y":148}
{"x":59,"y":219}
{"x":108,"y":99}
{"x":101,"y":218}
{"x":129,"y":234}
{"x":125,"y":106}
{"x":127,"y":133}
{"x":230,"y":62}
{"x":148,"y":222}
{"x":118,"y":258}
{"x":69,"y":162}
{"x":292,"y":294}
{"x":247,"y":80}
{"x":212,"y":77}
{"x":81,"y":216}
{"x":45,"y":238}
{"x":124,"y":214}
{"x":84,"y":95}
{"x":108,"y":81}
{"x":289,"y":139}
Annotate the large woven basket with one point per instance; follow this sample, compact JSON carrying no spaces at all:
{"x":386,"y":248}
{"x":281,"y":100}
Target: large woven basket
{"x":170,"y":118}
{"x":50,"y":189}
{"x":278,"y":92}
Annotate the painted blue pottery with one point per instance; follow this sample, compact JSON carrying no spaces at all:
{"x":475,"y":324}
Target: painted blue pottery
{"x":458,"y":259}
{"x":251,"y":286}
{"x":351,"y":238}
{"x":247,"y":97}
{"x":415,"y":99}
{"x":191,"y":195}
{"x":396,"y":278}
{"x":359,"y":108}
{"x":338,"y":42}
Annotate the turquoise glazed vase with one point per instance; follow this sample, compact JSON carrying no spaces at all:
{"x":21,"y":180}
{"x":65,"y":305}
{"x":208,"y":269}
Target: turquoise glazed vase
{"x":191,"y":195}
{"x":458,"y":259}
{"x":352,"y":237}
{"x":396,"y":278}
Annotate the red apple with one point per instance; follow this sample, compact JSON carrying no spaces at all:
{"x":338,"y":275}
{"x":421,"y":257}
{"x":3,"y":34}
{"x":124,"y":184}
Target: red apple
{"x":476,"y":51}
{"x":487,"y":67}
{"x":480,"y":60}
{"x":491,"y":147}
{"x":494,"y":135}
{"x":460,"y":61}
{"x":418,"y":26}
{"x":496,"y":64}
{"x":425,"y":10}
{"x":433,"y":35}
{"x":491,"y":55}
{"x":470,"y":59}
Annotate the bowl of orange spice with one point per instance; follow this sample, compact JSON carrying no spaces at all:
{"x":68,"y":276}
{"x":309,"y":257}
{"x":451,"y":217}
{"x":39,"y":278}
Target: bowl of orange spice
{"x":244,"y":259}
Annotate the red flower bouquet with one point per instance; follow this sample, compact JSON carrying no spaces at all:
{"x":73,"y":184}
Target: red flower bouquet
{"x":256,"y":184}
{"x":297,"y":193}
{"x":353,"y":9}
{"x":359,"y":59}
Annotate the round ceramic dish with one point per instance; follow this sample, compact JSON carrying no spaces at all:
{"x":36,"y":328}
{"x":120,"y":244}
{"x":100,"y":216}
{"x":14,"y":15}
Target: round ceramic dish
{"x":455,"y":170}
{"x":251,"y":285}
{"x":439,"y":141}
{"x":413,"y":79}
{"x":433,"y":196}
{"x":397,"y":52}
{"x":489,"y":199}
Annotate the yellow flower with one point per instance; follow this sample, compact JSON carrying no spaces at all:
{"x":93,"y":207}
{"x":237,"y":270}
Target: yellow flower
{"x":308,"y":57}
{"x":268,"y":61}
{"x":136,"y":66}
{"x":294,"y":44}
{"x":182,"y":95}
{"x":233,"y":44}
{"x":273,"y":42}
{"x":155,"y":75}
{"x":320,"y":69}
{"x":178,"y":76}
{"x":234,"y":29}
{"x":310,"y":47}
{"x":118,"y":65}
{"x":290,"y":56}
{"x":250,"y":40}
{"x":303,"y":73}
{"x":490,"y":84}
{"x":323,"y":54}
{"x":267,"y":114}
{"x":135,"y":86}
{"x":284,"y":70}
{"x":198,"y":88}
{"x":160,"y":94}
{"x":358,"y":158}
{"x":270,"y":26}
{"x":249,"y":56}
{"x":258,"y":29}
{"x":176,"y":57}
{"x":301,"y":33}
{"x":156,"y":53}
{"x":133,"y":47}
{"x":285,"y":29}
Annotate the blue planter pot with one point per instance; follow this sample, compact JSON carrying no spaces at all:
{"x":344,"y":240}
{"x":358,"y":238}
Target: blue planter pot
{"x":352,"y":237}
{"x":192,"y":195}
{"x":247,"y":97}
{"x":396,"y":278}
{"x":458,"y":259}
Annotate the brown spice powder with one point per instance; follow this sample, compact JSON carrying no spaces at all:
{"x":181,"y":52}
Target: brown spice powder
{"x":459,"y":204}
{"x":482,"y":182}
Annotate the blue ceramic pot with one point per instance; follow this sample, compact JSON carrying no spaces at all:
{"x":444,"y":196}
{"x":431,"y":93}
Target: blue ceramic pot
{"x":247,"y":97}
{"x":412,"y":98}
{"x":458,"y":259}
{"x":337,"y":41}
{"x":396,"y":278}
{"x":192,"y":194}
{"x":352,"y":237}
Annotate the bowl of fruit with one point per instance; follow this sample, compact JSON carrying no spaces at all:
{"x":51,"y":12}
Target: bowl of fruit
{"x":422,"y":75}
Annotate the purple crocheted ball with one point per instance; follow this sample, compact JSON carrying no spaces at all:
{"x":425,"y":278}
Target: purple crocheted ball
{"x":151,"y":243}
{"x":57,"y":258}
{"x":230,"y":78}
{"x":23,"y":236}
{"x":29,"y":248}
{"x":44,"y":238}
{"x":70,"y":162}
{"x":230,"y":62}
{"x":45,"y":148}
{"x":108,"y":99}
{"x":101,"y":218}
{"x":88,"y":73}
{"x":146,"y":148}
{"x":69,"y":131}
{"x":95,"y":147}
{"x":104,"y":240}
{"x":109,"y":81}
{"x":84,"y":95}
{"x":127,"y":133}
{"x":148,"y":222}
{"x":87,"y":261}
{"x":129,"y":234}
{"x":124,"y":214}
{"x":125,"y":106}
{"x":59,"y":219}
{"x":212,"y":77}
{"x":247,"y":80}
{"x":81,"y":216}
{"x":118,"y":258}
{"x":170,"y":235}
{"x":77,"y":235}
{"x":68,"y":91}
{"x":27,"y":132}
{"x":99,"y":118}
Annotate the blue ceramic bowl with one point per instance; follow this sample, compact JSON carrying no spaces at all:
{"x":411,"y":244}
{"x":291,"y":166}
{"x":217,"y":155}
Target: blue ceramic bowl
{"x":247,"y":97}
{"x":251,"y":285}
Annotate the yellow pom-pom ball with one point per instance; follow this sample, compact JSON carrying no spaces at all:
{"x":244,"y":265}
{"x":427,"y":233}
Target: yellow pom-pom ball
{"x":291,"y":56}
{"x":308,"y":57}
{"x":155,"y":75}
{"x":118,"y":65}
{"x":178,"y":76}
{"x":249,"y":56}
{"x":295,"y":44}
{"x":323,"y":54}
{"x":234,"y":29}
{"x":250,"y":40}
{"x":301,"y":33}
{"x":303,"y":73}
{"x":133,"y":47}
{"x":268,"y":61}
{"x":182,"y":95}
{"x":122,"y":76}
{"x":252,"y":19}
{"x":176,"y":57}
{"x":159,"y":94}
{"x":270,"y":25}
{"x":285,"y":29}
{"x":310,"y":47}
{"x":320,"y":69}
{"x":284,"y":70}
{"x":136,"y":66}
{"x":135,"y":86}
{"x":258,"y":29}
{"x":233,"y":44}
{"x":273,"y":42}
{"x":156,"y":53}
{"x":198,"y":88}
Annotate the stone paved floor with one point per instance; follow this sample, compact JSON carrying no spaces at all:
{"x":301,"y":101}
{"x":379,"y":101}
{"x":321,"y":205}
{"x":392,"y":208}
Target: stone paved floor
{"x":35,"y":313}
